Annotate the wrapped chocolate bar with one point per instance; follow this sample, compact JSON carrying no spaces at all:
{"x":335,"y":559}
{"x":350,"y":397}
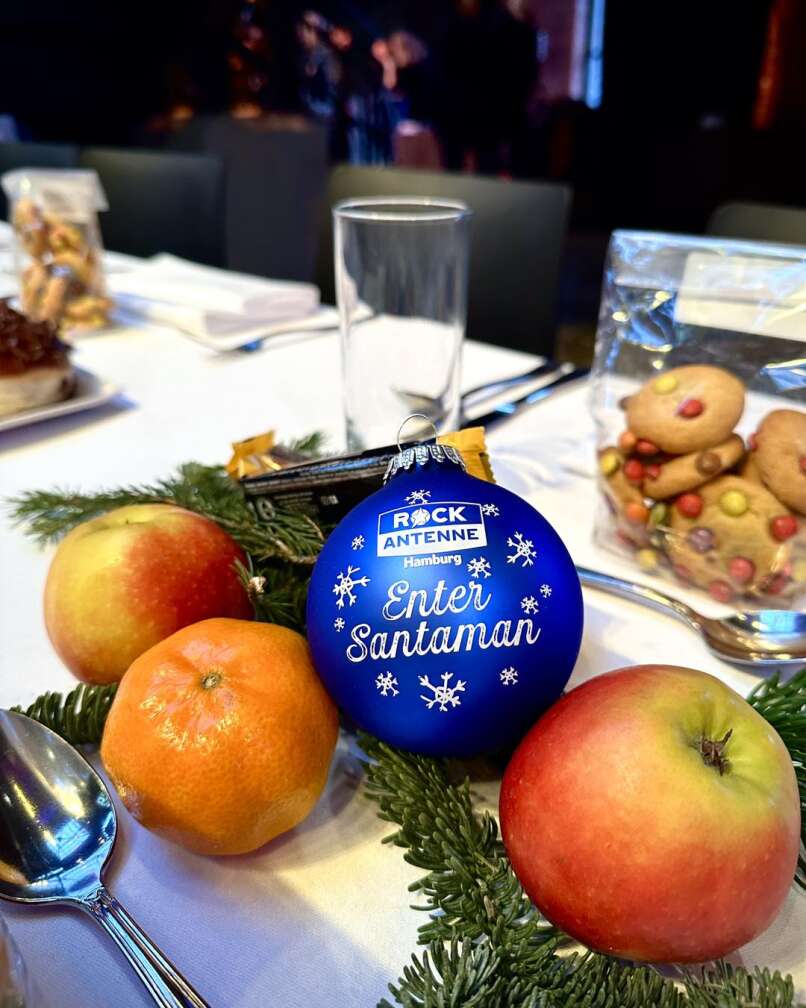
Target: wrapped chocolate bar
{"x":57,"y":246}
{"x":699,"y":396}
{"x":330,"y":487}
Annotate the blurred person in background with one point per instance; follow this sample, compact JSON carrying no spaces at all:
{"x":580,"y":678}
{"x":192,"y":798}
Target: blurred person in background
{"x":320,"y":67}
{"x":413,"y":82}
{"x":490,"y":68}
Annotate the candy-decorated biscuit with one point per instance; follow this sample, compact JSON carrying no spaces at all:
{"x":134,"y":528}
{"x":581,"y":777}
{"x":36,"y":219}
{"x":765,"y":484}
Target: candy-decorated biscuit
{"x":749,"y":468}
{"x":624,"y":497}
{"x":781,"y":456}
{"x":686,"y":409}
{"x":687,"y":472}
{"x":732,"y":537}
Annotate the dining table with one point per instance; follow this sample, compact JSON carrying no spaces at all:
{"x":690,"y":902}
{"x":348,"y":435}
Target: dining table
{"x":322,"y":915}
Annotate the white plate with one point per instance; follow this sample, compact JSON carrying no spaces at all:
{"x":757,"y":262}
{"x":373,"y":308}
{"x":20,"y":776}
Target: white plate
{"x":90,"y":391}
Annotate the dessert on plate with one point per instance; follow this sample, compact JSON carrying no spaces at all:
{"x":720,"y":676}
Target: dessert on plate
{"x":34,"y":365}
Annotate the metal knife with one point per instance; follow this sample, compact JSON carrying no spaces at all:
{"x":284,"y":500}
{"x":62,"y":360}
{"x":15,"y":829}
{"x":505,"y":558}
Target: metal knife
{"x":504,"y":411}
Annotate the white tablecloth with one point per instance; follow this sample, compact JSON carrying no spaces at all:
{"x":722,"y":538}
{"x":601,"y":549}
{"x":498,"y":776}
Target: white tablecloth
{"x":320,"y":916}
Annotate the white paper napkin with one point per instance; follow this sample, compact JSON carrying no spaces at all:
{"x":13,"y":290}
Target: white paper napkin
{"x":214,"y":306}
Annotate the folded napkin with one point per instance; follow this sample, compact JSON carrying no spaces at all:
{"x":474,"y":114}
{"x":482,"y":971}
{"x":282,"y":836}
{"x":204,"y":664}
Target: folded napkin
{"x":212,"y":305}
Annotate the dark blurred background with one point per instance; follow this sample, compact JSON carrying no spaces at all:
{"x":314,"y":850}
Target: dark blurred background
{"x":654,"y":113}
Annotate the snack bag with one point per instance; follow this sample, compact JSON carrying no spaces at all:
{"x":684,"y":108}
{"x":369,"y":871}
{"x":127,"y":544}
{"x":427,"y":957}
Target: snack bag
{"x":57,"y":246}
{"x":699,"y":398}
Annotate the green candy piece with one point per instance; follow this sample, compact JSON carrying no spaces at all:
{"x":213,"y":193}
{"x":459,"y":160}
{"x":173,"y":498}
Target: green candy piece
{"x":657,"y":516}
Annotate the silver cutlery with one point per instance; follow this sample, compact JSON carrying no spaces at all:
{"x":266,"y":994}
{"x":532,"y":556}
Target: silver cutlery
{"x":764,"y":636}
{"x":504,"y":411}
{"x":57,"y":832}
{"x":489,"y":388}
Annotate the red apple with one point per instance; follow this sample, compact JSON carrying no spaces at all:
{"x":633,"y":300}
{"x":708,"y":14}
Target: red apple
{"x":122,"y":582}
{"x":653,"y":814}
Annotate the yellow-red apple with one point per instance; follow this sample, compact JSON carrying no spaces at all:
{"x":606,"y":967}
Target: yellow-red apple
{"x":653,"y":814}
{"x":124,"y":581}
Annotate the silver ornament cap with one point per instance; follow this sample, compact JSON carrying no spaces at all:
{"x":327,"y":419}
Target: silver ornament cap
{"x":422,"y":453}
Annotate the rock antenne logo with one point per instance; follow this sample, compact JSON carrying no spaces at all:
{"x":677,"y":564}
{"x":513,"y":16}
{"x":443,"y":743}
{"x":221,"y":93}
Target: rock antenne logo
{"x":431,"y":527}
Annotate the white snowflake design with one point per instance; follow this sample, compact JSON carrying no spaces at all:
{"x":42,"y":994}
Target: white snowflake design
{"x":338,"y":624}
{"x":545,"y":590}
{"x":345,"y":584}
{"x":529,"y":604}
{"x":386,"y":683}
{"x":418,"y":497}
{"x":358,"y":542}
{"x":491,"y":510}
{"x":509,"y":676}
{"x":479,"y":567}
{"x":523,"y":549}
{"x":442,"y":695}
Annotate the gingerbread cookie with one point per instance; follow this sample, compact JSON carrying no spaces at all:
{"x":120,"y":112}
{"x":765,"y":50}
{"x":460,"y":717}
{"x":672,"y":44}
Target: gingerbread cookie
{"x":781,"y":456}
{"x":687,"y":409}
{"x":732,"y":537}
{"x":687,"y":472}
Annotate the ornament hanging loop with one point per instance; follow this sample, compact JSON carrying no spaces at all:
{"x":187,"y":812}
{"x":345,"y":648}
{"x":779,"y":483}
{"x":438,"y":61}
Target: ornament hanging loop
{"x":412,"y":416}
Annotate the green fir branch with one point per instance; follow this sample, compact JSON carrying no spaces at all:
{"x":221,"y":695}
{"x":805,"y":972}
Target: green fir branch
{"x":783,"y":704}
{"x":278,"y":591}
{"x":207,"y":490}
{"x":79,"y":717}
{"x":726,"y":986}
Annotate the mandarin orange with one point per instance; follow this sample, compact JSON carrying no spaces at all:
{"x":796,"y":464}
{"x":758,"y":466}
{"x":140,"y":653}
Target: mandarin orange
{"x":220,"y":737}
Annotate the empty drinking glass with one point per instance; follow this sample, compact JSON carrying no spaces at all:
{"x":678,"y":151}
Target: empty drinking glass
{"x":401,"y":287}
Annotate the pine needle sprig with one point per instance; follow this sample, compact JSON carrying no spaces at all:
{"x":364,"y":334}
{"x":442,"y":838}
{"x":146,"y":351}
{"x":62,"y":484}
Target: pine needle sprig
{"x":278,"y":591}
{"x":470,"y":889}
{"x":79,"y":717}
{"x":289,"y":535}
{"x":726,"y":986}
{"x":783,"y":704}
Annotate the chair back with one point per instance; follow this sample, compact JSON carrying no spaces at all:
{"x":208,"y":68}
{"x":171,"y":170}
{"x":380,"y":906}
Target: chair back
{"x":276,"y":178}
{"x":161,"y":202}
{"x":34,"y":155}
{"x":759,"y":221}
{"x":517,"y":234}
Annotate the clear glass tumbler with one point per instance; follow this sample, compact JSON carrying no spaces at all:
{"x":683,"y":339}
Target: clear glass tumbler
{"x":401,"y":288}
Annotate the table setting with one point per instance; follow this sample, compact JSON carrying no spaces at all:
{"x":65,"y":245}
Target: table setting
{"x":318,"y":578}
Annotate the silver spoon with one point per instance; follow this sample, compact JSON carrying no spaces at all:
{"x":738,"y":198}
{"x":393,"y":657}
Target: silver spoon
{"x":764,"y":636}
{"x":57,"y":831}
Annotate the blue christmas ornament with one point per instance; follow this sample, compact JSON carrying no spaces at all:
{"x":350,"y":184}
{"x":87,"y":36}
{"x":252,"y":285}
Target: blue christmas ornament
{"x":444,"y":612}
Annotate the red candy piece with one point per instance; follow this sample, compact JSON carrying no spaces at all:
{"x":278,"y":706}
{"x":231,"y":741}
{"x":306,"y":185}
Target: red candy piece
{"x":752,"y":442}
{"x":634,"y":471}
{"x":626,"y":441}
{"x":783,"y":527}
{"x":690,"y":408}
{"x":721,"y":591}
{"x":653,"y":470}
{"x":742,"y":570}
{"x":775,"y":585}
{"x":681,"y":572}
{"x":802,"y":464}
{"x":644,"y":447}
{"x":636,"y":513}
{"x":689,"y":505}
